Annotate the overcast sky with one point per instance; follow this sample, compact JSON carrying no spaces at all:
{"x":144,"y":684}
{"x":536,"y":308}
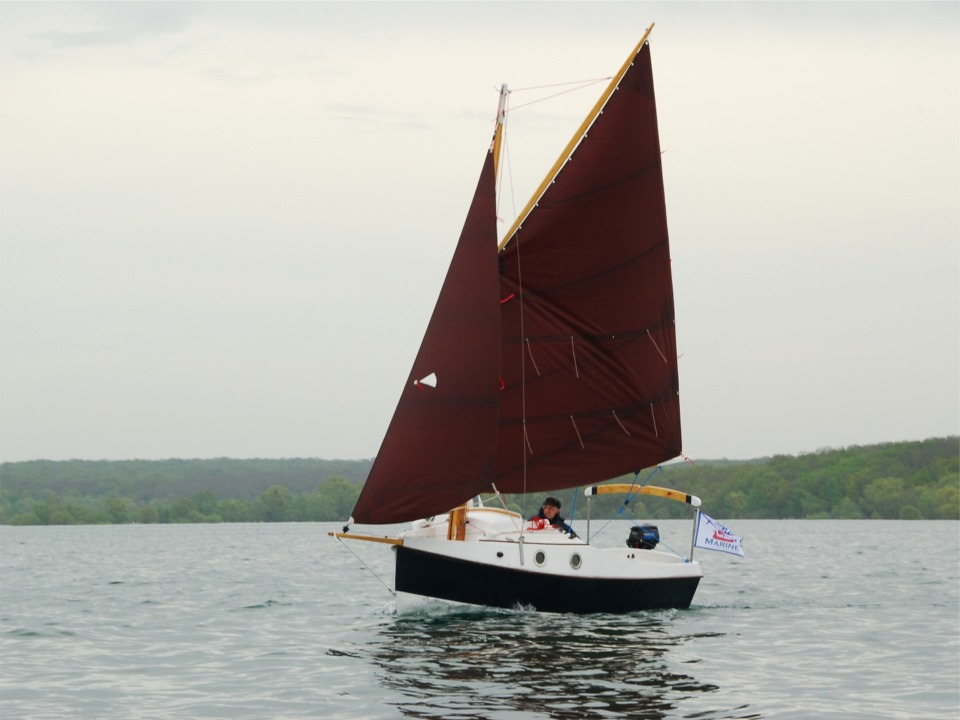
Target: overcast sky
{"x":224,"y":225}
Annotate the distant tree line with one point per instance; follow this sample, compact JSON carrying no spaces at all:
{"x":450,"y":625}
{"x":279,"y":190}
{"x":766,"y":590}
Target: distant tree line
{"x":146,"y":480}
{"x":332,"y":499}
{"x":906,"y":480}
{"x":903,"y":480}
{"x":43,"y":492}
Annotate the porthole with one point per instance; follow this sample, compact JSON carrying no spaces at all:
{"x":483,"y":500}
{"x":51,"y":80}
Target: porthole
{"x":576,"y":561}
{"x":540,"y":558}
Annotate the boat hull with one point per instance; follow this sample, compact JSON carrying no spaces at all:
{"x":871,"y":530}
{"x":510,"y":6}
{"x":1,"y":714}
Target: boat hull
{"x":438,"y":575}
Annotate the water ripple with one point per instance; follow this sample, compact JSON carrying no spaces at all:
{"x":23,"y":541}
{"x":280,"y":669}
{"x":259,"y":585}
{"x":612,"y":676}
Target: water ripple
{"x":275,"y":621}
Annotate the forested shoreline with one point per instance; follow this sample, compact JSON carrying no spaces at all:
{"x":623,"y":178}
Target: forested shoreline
{"x":902,"y":480}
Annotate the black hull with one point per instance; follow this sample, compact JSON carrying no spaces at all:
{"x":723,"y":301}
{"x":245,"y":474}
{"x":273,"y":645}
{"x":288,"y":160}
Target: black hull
{"x":437,"y":576}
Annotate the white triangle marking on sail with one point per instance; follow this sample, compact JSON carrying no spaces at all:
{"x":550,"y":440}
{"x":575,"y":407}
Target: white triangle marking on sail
{"x":430,"y":380}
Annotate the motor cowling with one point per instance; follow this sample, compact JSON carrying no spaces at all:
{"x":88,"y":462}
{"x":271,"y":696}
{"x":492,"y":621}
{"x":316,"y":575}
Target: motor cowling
{"x":643,"y":537}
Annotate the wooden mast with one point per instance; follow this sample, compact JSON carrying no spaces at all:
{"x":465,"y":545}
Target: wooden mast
{"x":498,"y":131}
{"x":575,"y":140}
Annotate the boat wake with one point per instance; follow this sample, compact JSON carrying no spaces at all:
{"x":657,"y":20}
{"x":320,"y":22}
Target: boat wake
{"x":407,"y":605}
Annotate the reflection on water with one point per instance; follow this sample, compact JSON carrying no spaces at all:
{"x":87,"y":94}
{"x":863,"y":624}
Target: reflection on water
{"x":486,"y":664}
{"x":826,"y":619}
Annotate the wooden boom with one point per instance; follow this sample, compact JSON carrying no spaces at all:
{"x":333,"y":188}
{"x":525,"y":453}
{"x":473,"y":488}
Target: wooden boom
{"x":368,"y":538}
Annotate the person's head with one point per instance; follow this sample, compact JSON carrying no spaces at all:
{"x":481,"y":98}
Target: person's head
{"x":551,"y":507}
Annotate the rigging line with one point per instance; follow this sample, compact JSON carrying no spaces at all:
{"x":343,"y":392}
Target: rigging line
{"x":532,"y":360}
{"x":626,"y":500}
{"x":556,"y":95}
{"x":368,"y":568}
{"x":630,"y":495}
{"x":523,"y":383}
{"x":506,"y":148}
{"x":664,"y":544}
{"x":658,"y":469}
{"x":504,"y":503}
{"x":569,"y":82}
{"x":577,"y":136}
{"x":525,"y":447}
{"x":573,"y":350}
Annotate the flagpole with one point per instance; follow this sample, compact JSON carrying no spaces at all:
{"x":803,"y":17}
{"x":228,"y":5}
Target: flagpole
{"x":693,"y":540}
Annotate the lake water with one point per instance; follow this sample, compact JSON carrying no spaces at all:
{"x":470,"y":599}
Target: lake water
{"x":823,"y":619}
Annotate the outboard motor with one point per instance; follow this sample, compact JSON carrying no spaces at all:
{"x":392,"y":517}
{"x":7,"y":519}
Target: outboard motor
{"x":643,"y":537}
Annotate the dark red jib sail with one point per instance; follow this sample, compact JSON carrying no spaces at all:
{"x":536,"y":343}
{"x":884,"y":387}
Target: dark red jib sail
{"x":440,"y":448}
{"x":559,"y":368}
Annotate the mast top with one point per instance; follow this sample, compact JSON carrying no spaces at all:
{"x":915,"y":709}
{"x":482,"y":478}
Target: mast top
{"x":498,"y":131}
{"x":577,"y":136}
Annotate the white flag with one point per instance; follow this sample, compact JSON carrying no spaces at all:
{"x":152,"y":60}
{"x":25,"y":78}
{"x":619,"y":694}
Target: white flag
{"x":711,"y":535}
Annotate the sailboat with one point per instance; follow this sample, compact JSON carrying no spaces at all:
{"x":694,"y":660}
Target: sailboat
{"x":549,"y":363}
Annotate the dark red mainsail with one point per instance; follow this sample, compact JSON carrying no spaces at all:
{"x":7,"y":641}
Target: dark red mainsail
{"x":559,"y":368}
{"x":589,"y":345}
